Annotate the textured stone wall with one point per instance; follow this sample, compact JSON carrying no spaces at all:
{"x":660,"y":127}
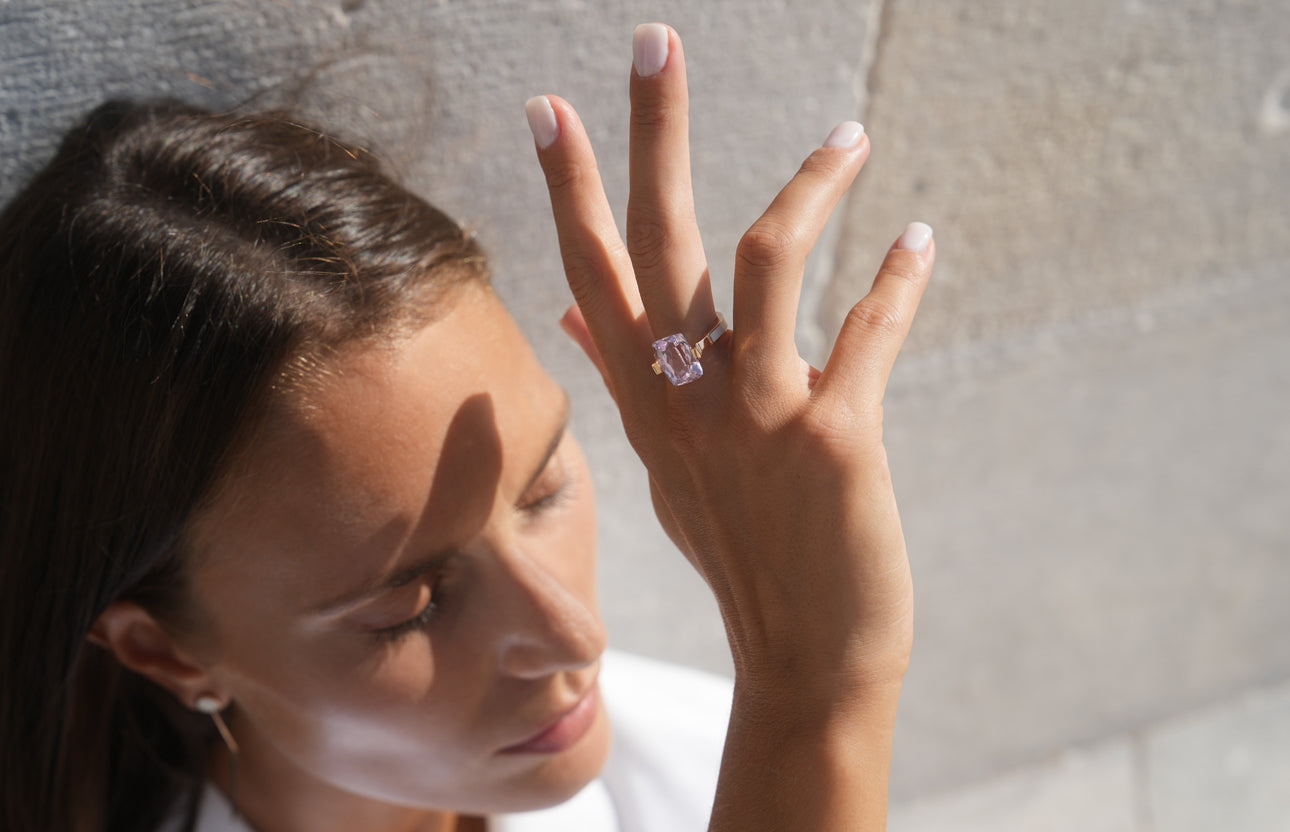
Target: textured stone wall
{"x":1091,"y":428}
{"x":439,"y":89}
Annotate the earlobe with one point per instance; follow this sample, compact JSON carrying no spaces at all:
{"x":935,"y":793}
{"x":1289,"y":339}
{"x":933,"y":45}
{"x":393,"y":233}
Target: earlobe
{"x":141,"y":644}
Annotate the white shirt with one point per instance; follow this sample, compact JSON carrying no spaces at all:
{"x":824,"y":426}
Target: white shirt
{"x":669,"y":727}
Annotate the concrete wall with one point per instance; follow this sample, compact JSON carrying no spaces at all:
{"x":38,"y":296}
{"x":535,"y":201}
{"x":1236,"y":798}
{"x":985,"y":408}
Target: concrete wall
{"x":1090,"y":431}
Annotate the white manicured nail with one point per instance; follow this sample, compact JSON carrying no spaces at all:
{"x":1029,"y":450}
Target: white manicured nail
{"x":649,"y":49}
{"x":542,"y":121}
{"x":916,"y":237}
{"x":846,"y":134}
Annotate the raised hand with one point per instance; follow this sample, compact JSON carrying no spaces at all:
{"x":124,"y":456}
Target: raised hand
{"x":770,"y":476}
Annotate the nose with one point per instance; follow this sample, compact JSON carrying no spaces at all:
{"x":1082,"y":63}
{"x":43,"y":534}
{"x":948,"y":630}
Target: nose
{"x":549,"y":623}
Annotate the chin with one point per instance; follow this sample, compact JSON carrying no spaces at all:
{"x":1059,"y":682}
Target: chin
{"x":558,"y":777}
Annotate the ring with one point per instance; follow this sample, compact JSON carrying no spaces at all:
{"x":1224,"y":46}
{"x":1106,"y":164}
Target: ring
{"x":678,"y":360}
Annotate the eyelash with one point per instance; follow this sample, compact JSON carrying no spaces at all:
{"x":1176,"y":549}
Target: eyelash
{"x":551,"y":500}
{"x":403,"y":629}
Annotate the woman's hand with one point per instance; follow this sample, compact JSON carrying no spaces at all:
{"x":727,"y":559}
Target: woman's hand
{"x":770,"y":476}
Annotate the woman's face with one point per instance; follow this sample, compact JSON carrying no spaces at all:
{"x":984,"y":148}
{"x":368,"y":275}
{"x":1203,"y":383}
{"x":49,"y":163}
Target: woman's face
{"x":399,"y":577}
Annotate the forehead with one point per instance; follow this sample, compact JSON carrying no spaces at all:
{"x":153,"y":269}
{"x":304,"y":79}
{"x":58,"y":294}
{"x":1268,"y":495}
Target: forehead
{"x":409,"y":438}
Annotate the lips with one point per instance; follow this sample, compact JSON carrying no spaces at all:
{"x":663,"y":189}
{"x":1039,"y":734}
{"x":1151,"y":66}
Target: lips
{"x":565,"y":730}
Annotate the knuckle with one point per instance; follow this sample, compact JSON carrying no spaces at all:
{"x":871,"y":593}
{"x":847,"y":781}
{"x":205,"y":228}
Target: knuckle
{"x":847,"y":432}
{"x":588,"y":260}
{"x":819,"y":164}
{"x":648,"y":241}
{"x":906,"y":269}
{"x":652,"y":114}
{"x":583,"y":271}
{"x":589,"y":299}
{"x":767,"y":245}
{"x":563,"y":176}
{"x":761,"y":411}
{"x":875,"y":317}
{"x":820,"y":438}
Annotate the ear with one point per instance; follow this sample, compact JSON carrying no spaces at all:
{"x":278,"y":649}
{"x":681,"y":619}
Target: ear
{"x":141,"y":644}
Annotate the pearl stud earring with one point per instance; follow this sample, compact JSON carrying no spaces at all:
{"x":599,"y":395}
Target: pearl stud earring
{"x":210,"y":705}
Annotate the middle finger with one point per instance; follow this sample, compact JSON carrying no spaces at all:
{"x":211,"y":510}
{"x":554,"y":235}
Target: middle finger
{"x":662,"y":234}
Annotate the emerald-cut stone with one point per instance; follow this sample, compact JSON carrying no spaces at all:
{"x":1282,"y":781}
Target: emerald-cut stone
{"x":677,"y":360}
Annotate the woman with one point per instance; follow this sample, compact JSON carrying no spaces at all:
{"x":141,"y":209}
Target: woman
{"x":291,"y":509}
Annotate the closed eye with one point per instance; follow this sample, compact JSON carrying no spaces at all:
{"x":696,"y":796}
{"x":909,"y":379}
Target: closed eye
{"x":550,"y":500}
{"x":552,"y":485}
{"x":397,"y":632}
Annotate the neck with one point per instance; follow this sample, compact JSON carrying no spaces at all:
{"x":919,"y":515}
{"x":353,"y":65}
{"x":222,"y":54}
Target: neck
{"x":275,"y":795}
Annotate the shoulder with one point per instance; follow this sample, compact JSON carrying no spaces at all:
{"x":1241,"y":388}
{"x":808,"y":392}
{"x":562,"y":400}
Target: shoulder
{"x":214,"y":814}
{"x":659,"y":696}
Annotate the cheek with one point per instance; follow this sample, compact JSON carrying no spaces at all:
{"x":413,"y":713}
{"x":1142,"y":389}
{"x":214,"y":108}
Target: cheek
{"x":331,"y":692}
{"x":365,"y":725}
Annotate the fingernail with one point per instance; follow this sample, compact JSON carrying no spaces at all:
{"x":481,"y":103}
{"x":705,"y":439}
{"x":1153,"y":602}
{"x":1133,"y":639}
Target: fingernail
{"x":846,"y":134}
{"x":542,"y":121}
{"x":916,"y":237}
{"x":649,"y":49}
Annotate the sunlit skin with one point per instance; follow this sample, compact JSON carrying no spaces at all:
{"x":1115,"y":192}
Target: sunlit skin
{"x":424,"y":449}
{"x":429,"y":446}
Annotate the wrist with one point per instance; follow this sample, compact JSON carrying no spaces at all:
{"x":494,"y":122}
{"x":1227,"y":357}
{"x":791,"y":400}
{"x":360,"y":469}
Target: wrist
{"x":829,"y":667}
{"x":832,"y":742}
{"x":817,"y":699}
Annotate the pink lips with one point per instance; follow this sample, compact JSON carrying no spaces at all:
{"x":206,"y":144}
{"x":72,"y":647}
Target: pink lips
{"x":565,"y":731}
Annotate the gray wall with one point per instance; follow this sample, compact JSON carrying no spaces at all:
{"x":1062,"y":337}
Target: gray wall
{"x":1090,"y":430}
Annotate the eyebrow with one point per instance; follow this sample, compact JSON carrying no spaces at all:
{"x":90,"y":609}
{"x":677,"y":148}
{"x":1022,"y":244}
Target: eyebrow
{"x":410,"y":573}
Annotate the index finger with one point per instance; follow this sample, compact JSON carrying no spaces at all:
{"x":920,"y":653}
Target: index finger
{"x":596,"y":262}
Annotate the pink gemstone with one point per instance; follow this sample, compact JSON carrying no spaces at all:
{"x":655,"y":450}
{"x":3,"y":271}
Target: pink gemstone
{"x":677,"y":359}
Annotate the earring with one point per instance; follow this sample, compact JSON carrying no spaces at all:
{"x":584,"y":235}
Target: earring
{"x":208,"y":704}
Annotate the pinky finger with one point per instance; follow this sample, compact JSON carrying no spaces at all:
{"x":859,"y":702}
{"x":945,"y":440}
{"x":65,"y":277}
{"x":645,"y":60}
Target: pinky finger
{"x":575,"y":326}
{"x":876,"y":327}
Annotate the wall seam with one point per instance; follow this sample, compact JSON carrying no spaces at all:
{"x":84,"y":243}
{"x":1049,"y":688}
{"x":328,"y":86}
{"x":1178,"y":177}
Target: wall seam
{"x":812,"y":341}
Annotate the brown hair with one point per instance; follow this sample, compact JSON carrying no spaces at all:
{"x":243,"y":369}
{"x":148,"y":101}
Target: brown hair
{"x":157,"y":279}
